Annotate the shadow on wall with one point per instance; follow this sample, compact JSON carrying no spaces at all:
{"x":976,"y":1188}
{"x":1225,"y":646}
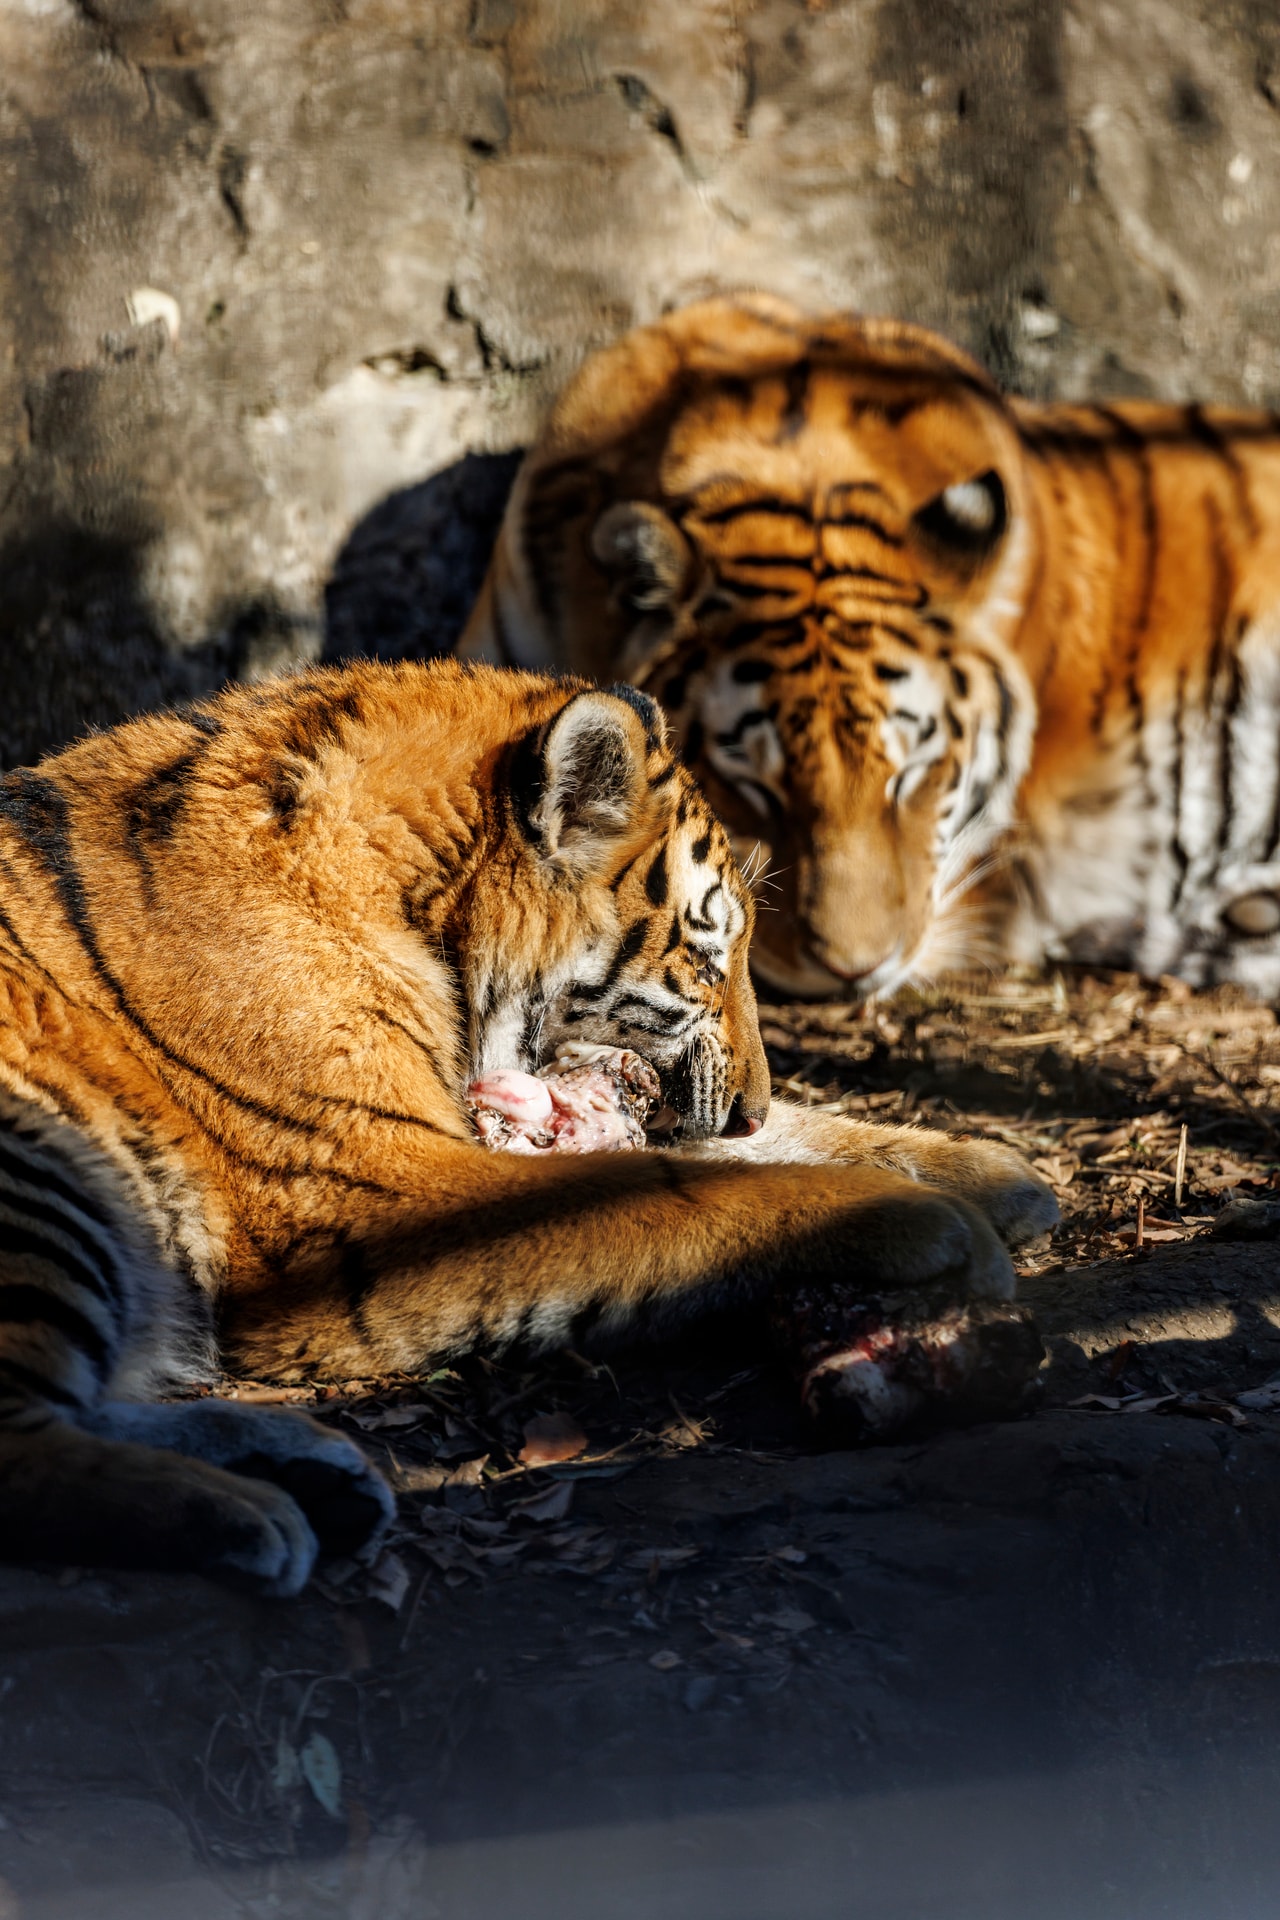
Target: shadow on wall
{"x":79,"y":644}
{"x":405,"y":581}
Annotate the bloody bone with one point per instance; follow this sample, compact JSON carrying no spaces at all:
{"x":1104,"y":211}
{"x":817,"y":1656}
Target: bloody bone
{"x":873,"y":1367}
{"x":592,"y":1100}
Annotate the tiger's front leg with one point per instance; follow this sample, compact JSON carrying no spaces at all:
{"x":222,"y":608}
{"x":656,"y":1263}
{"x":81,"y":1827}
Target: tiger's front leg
{"x":993,"y":1178}
{"x":497,"y":1251}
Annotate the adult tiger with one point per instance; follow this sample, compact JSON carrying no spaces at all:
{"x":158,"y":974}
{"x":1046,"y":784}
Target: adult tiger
{"x":863,"y":583}
{"x":251,"y":955}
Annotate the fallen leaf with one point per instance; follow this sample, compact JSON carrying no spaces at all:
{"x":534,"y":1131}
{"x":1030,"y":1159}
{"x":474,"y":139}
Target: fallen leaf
{"x":554,"y":1504}
{"x":389,"y":1581}
{"x":791,"y":1620}
{"x":661,"y":1559}
{"x":286,"y":1773}
{"x":1263,"y":1399}
{"x":470,"y":1473}
{"x":410,"y":1478}
{"x":322,"y":1771}
{"x":392,"y":1417}
{"x":666,"y":1660}
{"x":551,"y":1437}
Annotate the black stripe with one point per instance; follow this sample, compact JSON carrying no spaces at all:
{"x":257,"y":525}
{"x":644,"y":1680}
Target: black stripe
{"x":1207,"y":434}
{"x":31,"y":1382}
{"x":22,"y":1240}
{"x":108,"y":1284}
{"x":52,"y":1180}
{"x":655,"y":884}
{"x":754,"y":716}
{"x":914,"y":594}
{"x":1181,"y":858}
{"x":1226,"y":758}
{"x":796,"y":410}
{"x":628,"y":948}
{"x":769,"y":506}
{"x":1221,"y":646}
{"x":23,"y":1305}
{"x":802,"y":563}
{"x":876,"y":629}
{"x":867,"y":524}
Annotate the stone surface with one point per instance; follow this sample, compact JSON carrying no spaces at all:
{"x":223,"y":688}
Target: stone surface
{"x":282,"y":280}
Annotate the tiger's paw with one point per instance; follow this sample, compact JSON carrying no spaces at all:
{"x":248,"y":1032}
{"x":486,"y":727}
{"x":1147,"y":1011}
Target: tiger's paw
{"x":993,"y":1178}
{"x":252,"y":1535}
{"x":918,"y":1239}
{"x":347,"y":1503}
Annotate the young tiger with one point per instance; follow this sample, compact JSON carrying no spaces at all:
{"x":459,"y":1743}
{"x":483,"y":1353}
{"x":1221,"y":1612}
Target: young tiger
{"x":251,"y":956}
{"x":909,"y":631}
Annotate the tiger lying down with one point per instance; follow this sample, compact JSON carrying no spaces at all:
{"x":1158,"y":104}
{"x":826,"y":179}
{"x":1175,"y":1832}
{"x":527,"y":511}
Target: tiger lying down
{"x":254,"y":954}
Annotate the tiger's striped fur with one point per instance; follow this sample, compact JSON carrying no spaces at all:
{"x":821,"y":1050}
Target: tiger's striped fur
{"x":251,"y":954}
{"x":910,"y":631}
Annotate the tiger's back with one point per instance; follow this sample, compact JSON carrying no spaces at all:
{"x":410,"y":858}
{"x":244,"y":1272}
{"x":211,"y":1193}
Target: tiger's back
{"x":863,"y":583}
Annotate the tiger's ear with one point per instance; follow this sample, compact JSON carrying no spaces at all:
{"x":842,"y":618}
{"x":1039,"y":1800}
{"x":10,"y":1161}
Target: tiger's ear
{"x":649,"y":562}
{"x":590,"y":785}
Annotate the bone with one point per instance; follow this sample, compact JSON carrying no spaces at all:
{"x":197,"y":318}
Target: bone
{"x":876,"y":1367}
{"x":591,"y":1100}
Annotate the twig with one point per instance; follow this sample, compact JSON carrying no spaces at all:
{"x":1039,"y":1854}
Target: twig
{"x":1180,"y":1171}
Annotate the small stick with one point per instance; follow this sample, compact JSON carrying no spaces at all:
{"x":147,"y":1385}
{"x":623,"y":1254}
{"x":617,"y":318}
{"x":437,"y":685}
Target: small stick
{"x":1180,"y":1171}
{"x":1142,"y":1218}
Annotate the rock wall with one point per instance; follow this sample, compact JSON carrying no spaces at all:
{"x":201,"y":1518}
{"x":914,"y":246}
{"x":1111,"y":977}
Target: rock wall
{"x":286,"y":283}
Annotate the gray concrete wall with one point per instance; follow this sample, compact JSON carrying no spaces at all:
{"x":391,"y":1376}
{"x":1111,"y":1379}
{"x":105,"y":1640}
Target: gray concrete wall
{"x":382,"y":232}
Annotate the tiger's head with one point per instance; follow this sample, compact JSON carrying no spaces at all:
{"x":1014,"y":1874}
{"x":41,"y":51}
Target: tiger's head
{"x":811,"y":539}
{"x":608,"y":908}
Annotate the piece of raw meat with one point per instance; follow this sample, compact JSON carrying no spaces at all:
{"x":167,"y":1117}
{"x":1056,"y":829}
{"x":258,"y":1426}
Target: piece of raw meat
{"x":873,"y":1367}
{"x":590,"y":1100}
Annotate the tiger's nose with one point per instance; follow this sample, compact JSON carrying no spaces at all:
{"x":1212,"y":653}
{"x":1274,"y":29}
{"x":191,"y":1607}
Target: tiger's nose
{"x":741,"y":1125}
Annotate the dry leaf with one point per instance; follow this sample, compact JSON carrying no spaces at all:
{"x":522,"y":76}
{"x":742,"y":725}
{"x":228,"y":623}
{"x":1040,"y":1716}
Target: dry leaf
{"x":551,"y":1437}
{"x":791,"y":1620}
{"x":322,"y":1771}
{"x":1263,"y":1399}
{"x":411,"y":1416}
{"x":554,"y":1504}
{"x":286,"y":1774}
{"x":389,"y":1581}
{"x":470,"y":1473}
{"x":661,"y":1559}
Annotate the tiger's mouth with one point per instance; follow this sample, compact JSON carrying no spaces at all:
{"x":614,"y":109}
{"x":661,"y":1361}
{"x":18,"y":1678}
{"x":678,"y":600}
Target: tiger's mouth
{"x":698,"y":1101}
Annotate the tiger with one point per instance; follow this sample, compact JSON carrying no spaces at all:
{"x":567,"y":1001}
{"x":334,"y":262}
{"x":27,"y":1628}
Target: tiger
{"x":974,"y":679}
{"x":253,"y":952}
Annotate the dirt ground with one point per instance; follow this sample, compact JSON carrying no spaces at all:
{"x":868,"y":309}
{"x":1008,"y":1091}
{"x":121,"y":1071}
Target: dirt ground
{"x":638,"y":1647}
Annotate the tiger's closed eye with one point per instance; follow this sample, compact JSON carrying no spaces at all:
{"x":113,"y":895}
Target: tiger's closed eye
{"x":705,"y":970}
